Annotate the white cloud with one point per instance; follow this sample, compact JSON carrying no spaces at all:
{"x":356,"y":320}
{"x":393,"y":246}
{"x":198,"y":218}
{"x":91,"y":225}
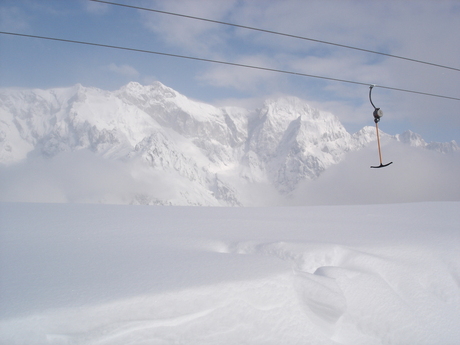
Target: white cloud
{"x":79,"y":176}
{"x":244,"y":79}
{"x":96,"y":7}
{"x":13,"y":19}
{"x":188,"y":34}
{"x":124,"y":70}
{"x":416,"y":175}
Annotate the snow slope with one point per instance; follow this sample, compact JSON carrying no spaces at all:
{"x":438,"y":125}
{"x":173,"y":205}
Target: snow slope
{"x":108,"y":274}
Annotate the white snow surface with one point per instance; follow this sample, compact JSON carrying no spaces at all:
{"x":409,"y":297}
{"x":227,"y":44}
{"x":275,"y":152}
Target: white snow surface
{"x":138,"y":275}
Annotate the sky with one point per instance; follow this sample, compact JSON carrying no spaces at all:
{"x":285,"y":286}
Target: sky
{"x":421,"y":30}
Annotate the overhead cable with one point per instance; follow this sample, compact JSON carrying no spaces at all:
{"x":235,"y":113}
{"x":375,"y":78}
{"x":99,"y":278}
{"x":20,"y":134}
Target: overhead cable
{"x":279,"y":34}
{"x":224,"y":63}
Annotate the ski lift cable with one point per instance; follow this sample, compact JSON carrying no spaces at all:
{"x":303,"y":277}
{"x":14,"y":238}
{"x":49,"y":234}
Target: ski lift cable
{"x":278,"y":33}
{"x":224,"y":63}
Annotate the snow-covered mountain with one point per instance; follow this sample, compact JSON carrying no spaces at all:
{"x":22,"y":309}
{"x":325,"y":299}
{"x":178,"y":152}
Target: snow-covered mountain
{"x":185,"y":152}
{"x":416,"y":140}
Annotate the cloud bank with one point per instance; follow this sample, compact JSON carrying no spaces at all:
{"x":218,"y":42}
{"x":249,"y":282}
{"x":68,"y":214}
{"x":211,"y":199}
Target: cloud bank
{"x":79,"y":176}
{"x":417,"y":175}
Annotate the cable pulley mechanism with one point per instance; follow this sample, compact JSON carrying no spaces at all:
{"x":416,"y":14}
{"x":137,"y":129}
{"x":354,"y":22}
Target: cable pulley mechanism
{"x":378,"y":113}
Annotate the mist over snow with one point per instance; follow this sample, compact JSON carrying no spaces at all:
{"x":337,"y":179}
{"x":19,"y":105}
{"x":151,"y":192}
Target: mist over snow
{"x":416,"y":175}
{"x":80,"y":176}
{"x":151,"y":145}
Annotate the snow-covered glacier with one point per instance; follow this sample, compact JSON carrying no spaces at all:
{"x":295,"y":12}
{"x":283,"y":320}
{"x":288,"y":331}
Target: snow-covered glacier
{"x":172,"y":150}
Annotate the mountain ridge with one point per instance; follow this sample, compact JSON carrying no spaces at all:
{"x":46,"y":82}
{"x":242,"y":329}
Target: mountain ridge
{"x":206,"y":155}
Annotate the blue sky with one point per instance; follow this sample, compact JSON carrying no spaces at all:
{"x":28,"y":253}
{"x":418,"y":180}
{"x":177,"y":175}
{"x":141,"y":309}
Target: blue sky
{"x":423,"y":30}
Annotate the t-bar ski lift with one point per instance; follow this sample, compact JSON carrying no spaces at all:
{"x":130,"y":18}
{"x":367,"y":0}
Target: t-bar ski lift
{"x":378,"y":113}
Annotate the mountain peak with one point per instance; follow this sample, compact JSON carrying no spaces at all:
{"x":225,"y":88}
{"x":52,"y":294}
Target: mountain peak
{"x":289,"y":106}
{"x":411,"y":138}
{"x":156,"y":89}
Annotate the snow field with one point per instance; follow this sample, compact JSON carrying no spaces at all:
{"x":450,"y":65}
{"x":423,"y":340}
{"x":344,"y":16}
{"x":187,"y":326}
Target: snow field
{"x":105,"y":274}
